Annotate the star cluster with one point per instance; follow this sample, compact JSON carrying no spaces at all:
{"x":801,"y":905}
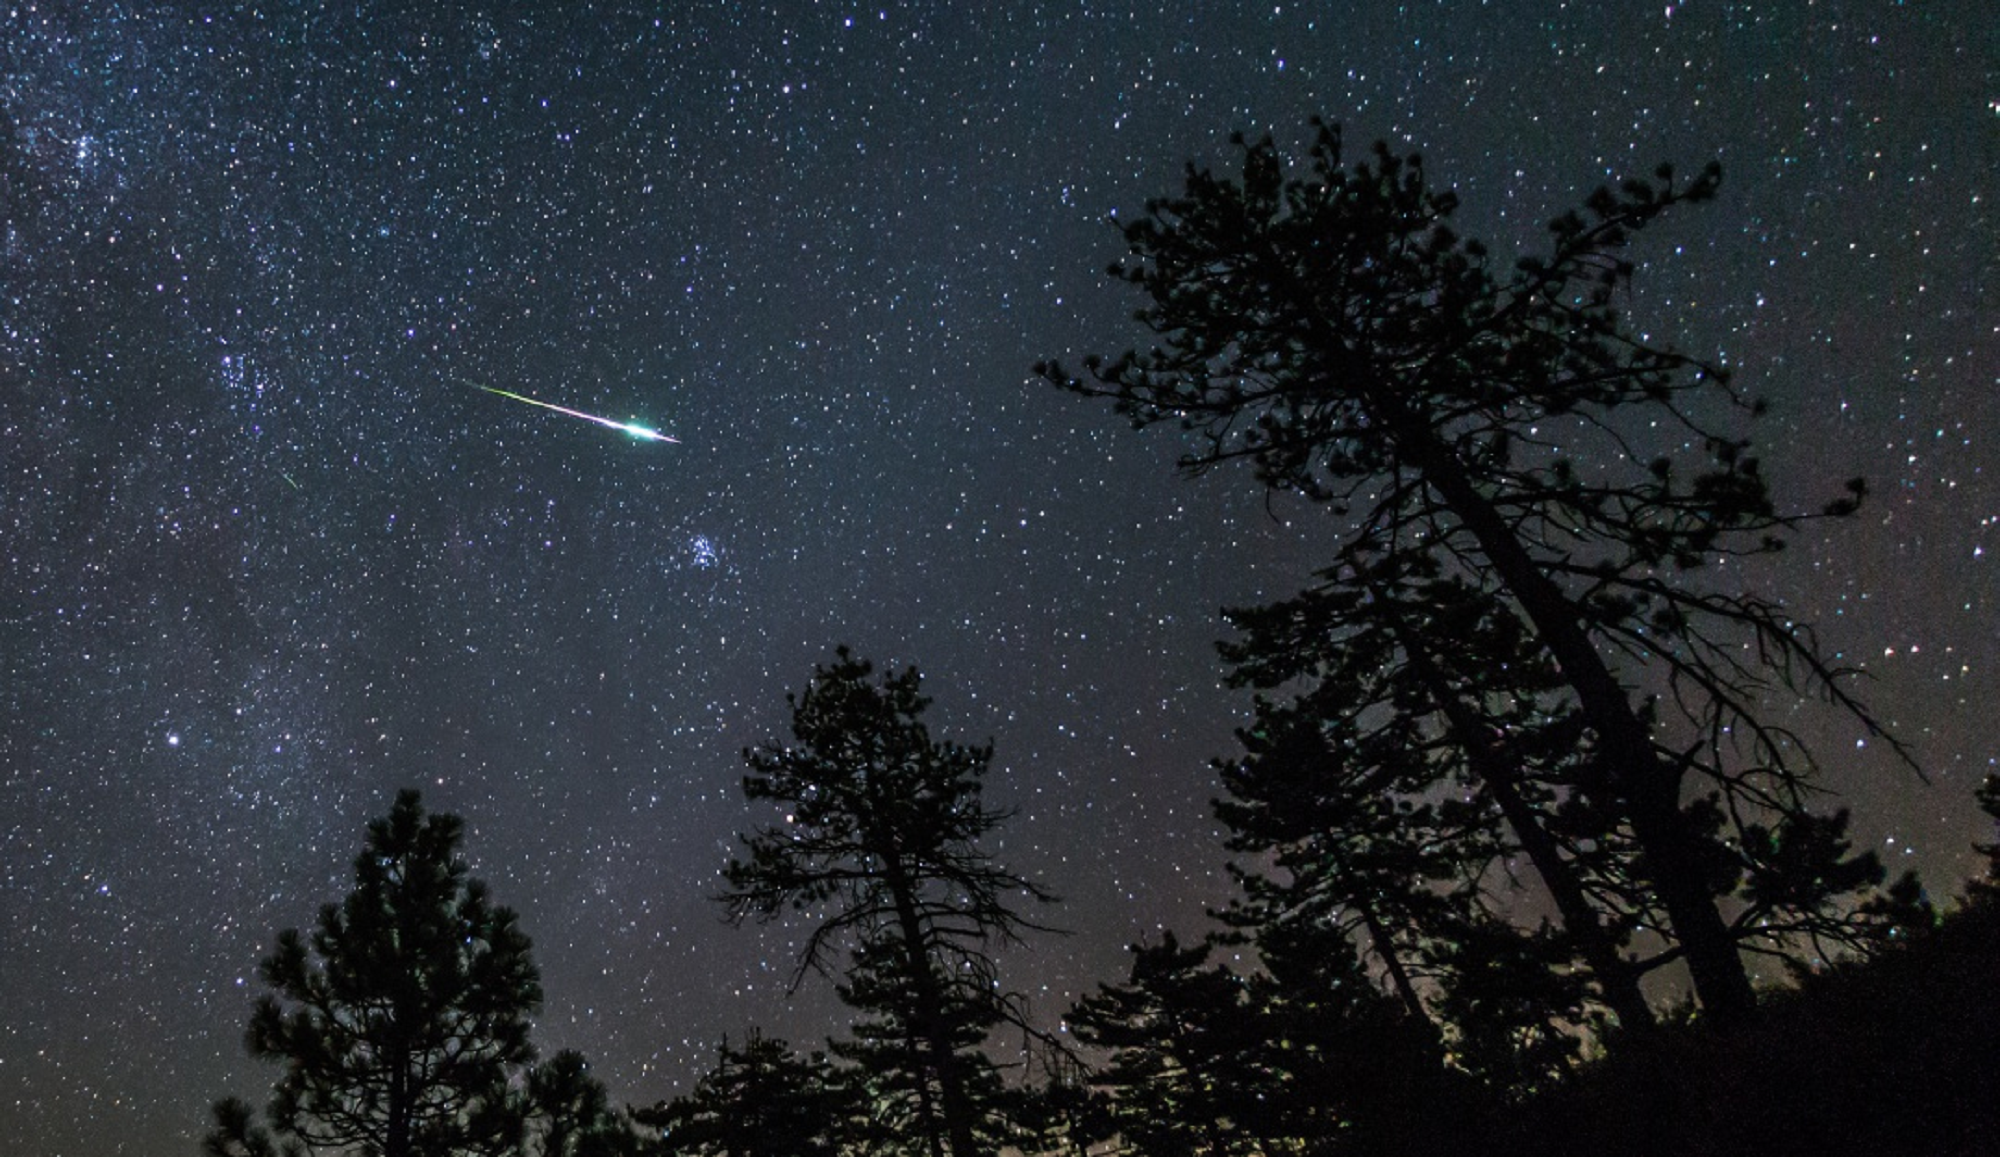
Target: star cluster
{"x":269,"y":552}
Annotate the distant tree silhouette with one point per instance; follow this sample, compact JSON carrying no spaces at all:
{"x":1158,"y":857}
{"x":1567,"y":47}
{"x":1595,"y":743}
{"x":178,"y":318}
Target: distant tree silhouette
{"x":1180,"y":1036}
{"x":569,"y":1114}
{"x":1058,"y":1111}
{"x":890,"y":1050}
{"x":760,"y":1100}
{"x":1355,"y":1071}
{"x":1353,"y":844}
{"x":1430,"y":753}
{"x":1479,"y":428}
{"x":1373,"y":853}
{"x":880,"y":838}
{"x":1304,"y":1055}
{"x":1988,"y":796}
{"x":402,"y":1022}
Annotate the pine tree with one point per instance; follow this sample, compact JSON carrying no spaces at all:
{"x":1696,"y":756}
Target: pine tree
{"x":1355,"y":1071}
{"x":569,"y":1114}
{"x":1306,"y":1055}
{"x":402,"y":1021}
{"x":1331,"y":330}
{"x":760,"y":1100}
{"x":891,"y":1052}
{"x":1430,"y":755}
{"x":880,"y":837}
{"x":1350,"y":845}
{"x":1988,"y":797}
{"x":1178,"y":1034}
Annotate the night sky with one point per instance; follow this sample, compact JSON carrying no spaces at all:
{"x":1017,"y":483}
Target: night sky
{"x":268,"y":552}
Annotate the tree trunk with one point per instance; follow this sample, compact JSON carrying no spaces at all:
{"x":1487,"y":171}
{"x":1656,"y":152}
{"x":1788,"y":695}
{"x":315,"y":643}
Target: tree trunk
{"x":930,"y":1019}
{"x":1399,"y":976}
{"x":396,"y":1139}
{"x":1615,"y":977}
{"x":1645,"y":789}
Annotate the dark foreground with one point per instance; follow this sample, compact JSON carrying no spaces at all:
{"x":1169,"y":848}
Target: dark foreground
{"x":1898,"y":1055}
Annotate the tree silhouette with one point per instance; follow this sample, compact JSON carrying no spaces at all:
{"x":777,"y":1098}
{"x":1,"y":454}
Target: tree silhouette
{"x":880,"y":838}
{"x":1180,"y":1036}
{"x":1346,"y":846}
{"x":1354,"y":1071}
{"x":1306,"y":1055}
{"x":760,"y":1100}
{"x":1477,"y":427}
{"x":1987,"y":794}
{"x":1404,"y":799}
{"x":891,"y":1051}
{"x":1432,"y":725}
{"x":402,"y":1021}
{"x":569,"y":1114}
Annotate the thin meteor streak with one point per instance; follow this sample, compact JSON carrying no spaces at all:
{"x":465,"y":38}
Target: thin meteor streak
{"x":643,"y":433}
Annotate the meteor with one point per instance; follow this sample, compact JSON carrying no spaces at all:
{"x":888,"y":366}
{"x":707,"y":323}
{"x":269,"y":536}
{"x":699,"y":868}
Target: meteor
{"x":643,"y":433}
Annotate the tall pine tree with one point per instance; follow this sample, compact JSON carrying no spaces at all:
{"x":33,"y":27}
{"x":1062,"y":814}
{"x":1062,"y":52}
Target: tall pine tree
{"x":401,"y":1022}
{"x":1332,"y":330}
{"x":880,"y":838}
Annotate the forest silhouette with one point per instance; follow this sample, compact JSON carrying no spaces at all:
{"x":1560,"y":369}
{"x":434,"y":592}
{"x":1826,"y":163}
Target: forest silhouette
{"x":1518,"y":818}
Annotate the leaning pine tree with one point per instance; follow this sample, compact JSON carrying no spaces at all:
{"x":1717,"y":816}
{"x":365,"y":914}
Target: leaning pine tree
{"x":1423,"y":770}
{"x":1331,"y":330}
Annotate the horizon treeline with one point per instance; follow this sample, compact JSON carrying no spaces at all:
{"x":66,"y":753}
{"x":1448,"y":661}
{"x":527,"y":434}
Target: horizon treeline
{"x":1520,"y":745}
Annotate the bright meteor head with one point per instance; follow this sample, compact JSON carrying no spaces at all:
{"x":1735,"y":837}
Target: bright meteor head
{"x":645,"y":434}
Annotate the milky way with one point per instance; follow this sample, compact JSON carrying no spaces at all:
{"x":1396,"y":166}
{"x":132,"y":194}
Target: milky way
{"x":268,"y":558}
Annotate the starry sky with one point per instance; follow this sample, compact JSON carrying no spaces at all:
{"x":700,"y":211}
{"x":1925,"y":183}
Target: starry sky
{"x":268,"y":552}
